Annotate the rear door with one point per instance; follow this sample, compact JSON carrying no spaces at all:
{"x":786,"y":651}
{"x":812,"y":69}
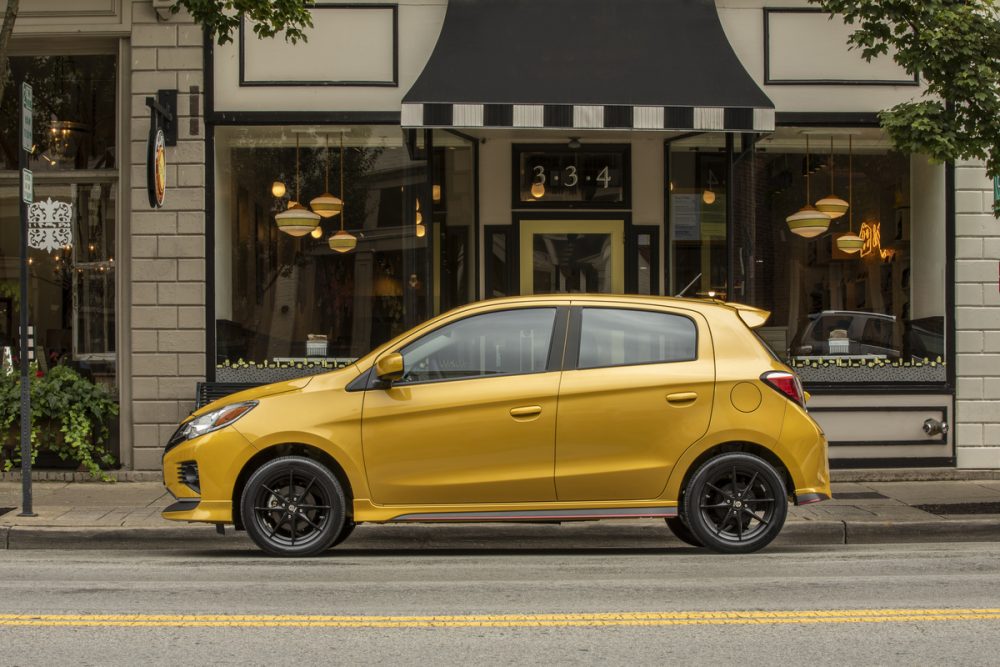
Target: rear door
{"x":637,"y":391}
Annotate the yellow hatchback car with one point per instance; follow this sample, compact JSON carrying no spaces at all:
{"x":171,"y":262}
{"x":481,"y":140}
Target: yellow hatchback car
{"x":543,"y":408}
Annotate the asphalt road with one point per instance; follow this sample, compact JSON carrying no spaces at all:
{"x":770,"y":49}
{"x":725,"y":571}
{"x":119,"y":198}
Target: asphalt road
{"x":917,"y":604}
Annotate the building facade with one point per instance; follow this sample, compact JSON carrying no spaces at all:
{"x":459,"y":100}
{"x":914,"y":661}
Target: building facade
{"x":487,"y":149}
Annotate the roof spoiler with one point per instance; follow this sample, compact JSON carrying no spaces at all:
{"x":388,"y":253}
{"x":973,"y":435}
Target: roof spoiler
{"x":752,"y":317}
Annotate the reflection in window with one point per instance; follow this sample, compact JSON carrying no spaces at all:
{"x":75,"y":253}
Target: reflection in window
{"x":876,"y":315}
{"x":72,"y":275}
{"x":74,"y":112}
{"x":502,"y":343}
{"x":293,"y":301}
{"x":618,"y":337}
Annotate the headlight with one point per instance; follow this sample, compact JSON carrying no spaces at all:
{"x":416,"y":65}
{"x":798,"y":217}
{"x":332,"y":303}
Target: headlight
{"x":213,"y":421}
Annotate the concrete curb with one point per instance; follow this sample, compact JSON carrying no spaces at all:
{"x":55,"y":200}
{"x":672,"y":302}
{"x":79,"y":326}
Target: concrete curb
{"x":601,"y":535}
{"x":889,"y":532}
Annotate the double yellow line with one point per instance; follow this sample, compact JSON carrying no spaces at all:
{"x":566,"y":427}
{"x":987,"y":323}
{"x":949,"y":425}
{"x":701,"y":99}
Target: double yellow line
{"x":629,"y":619}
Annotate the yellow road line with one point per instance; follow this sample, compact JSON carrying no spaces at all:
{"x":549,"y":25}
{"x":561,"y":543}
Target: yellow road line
{"x":636,"y":619}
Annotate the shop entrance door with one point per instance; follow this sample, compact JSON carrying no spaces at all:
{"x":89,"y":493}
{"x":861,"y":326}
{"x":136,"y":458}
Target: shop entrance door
{"x":572,"y":256}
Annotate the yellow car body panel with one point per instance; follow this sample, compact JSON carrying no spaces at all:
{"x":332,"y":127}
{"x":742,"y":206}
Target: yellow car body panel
{"x":516,"y":443}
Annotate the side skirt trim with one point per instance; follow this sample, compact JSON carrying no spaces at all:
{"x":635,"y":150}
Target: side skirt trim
{"x":546,"y":515}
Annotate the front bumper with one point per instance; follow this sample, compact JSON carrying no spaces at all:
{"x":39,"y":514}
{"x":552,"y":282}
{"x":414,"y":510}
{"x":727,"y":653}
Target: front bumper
{"x":201,"y":475}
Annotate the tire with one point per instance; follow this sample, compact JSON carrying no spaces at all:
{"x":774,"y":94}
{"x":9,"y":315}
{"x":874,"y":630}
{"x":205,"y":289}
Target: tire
{"x":344,"y":533}
{"x":682,"y":532}
{"x":279,"y":522}
{"x":736,"y":503}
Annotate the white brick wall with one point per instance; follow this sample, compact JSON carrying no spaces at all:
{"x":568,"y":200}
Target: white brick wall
{"x":977,"y":320}
{"x":167,"y":273}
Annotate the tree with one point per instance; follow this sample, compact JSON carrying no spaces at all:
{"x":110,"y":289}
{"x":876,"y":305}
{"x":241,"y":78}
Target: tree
{"x":221,"y":18}
{"x":954,"y":47}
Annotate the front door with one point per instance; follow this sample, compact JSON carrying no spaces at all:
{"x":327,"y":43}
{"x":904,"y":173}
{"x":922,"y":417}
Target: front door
{"x":572,"y":256}
{"x":473,"y":418}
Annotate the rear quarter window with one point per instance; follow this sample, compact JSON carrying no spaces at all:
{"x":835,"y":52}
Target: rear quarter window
{"x":622,"y":337}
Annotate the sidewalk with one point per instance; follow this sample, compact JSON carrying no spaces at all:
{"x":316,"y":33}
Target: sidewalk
{"x":126,"y":515}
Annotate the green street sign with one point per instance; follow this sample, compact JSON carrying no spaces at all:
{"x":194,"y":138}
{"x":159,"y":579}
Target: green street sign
{"x":28,"y":191}
{"x":996,"y":188}
{"x":27,"y":106}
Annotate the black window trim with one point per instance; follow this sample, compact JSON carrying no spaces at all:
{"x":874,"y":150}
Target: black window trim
{"x":572,"y":361}
{"x":554,"y":360}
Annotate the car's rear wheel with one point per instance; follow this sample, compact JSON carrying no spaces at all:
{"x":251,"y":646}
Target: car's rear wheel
{"x":735,"y":503}
{"x":682,"y":532}
{"x":293,"y":506}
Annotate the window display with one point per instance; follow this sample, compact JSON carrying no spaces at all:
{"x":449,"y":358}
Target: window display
{"x":858,"y":298}
{"x":322,"y":284}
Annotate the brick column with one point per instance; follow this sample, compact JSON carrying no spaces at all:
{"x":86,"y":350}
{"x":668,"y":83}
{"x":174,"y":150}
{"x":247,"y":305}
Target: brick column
{"x":977,"y":319}
{"x":167,"y":271}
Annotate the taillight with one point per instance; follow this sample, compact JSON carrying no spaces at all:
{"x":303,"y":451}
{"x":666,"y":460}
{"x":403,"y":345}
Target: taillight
{"x":787,"y":383}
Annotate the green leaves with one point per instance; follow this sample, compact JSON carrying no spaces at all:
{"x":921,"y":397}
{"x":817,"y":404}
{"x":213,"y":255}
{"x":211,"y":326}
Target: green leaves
{"x":267,"y":18}
{"x":954,"y":47}
{"x":69,"y":416}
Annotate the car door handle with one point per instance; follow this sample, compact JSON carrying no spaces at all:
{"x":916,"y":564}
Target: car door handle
{"x":682,"y":398}
{"x":526,"y":411}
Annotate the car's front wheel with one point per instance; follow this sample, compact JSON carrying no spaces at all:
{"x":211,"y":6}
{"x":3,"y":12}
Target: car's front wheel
{"x":735,"y":503}
{"x":293,"y":506}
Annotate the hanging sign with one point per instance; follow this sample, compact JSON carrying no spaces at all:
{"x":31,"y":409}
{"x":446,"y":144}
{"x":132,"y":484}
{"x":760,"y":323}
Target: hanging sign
{"x":162,"y":133}
{"x":996,"y":189}
{"x":27,"y":107}
{"x":156,"y":168}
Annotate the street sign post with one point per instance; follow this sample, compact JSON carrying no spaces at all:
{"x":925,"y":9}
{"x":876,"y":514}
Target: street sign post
{"x":27,"y":195}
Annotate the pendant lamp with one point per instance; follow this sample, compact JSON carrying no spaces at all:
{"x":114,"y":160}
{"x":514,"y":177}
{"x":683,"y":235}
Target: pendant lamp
{"x":831,"y":204}
{"x":342,"y":241}
{"x":326,"y":204}
{"x":850,"y":242}
{"x":296,"y":220}
{"x":808,"y":222}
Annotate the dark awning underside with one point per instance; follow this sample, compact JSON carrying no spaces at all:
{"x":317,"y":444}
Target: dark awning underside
{"x":586,"y":64}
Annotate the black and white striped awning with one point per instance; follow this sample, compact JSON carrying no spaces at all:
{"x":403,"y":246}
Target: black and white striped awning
{"x":588,"y":65}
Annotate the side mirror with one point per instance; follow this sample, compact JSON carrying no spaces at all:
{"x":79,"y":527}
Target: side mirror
{"x":389,"y":367}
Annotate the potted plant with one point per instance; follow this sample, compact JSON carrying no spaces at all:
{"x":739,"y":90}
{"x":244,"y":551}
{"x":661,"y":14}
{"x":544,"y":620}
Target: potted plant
{"x":70,"y":417}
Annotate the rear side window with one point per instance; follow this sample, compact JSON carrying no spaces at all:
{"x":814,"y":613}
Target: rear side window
{"x":620,"y":337}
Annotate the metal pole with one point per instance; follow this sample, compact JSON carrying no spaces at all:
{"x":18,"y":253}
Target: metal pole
{"x":730,"y":219}
{"x":26,"y":504}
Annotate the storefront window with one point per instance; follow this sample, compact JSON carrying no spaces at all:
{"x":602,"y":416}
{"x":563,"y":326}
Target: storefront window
{"x":697,"y":193}
{"x":72,"y":222}
{"x":872,"y":316}
{"x":290,"y":305}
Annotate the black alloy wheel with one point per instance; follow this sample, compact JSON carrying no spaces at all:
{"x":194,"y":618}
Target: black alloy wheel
{"x":735,"y":503}
{"x":682,"y":532}
{"x":293,"y":506}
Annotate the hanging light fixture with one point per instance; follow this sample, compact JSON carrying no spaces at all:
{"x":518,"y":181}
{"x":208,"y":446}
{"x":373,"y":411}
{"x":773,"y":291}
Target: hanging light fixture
{"x":317,"y":233}
{"x":326,"y":205}
{"x":850,"y":242}
{"x":708,"y":196}
{"x":808,"y":222}
{"x":342,"y":241}
{"x":296,"y":220}
{"x":831,"y":204}
{"x":278,"y":189}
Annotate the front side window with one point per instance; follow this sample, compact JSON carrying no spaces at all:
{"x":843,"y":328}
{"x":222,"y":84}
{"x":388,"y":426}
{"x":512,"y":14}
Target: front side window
{"x":509,"y":342}
{"x":619,"y":337}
